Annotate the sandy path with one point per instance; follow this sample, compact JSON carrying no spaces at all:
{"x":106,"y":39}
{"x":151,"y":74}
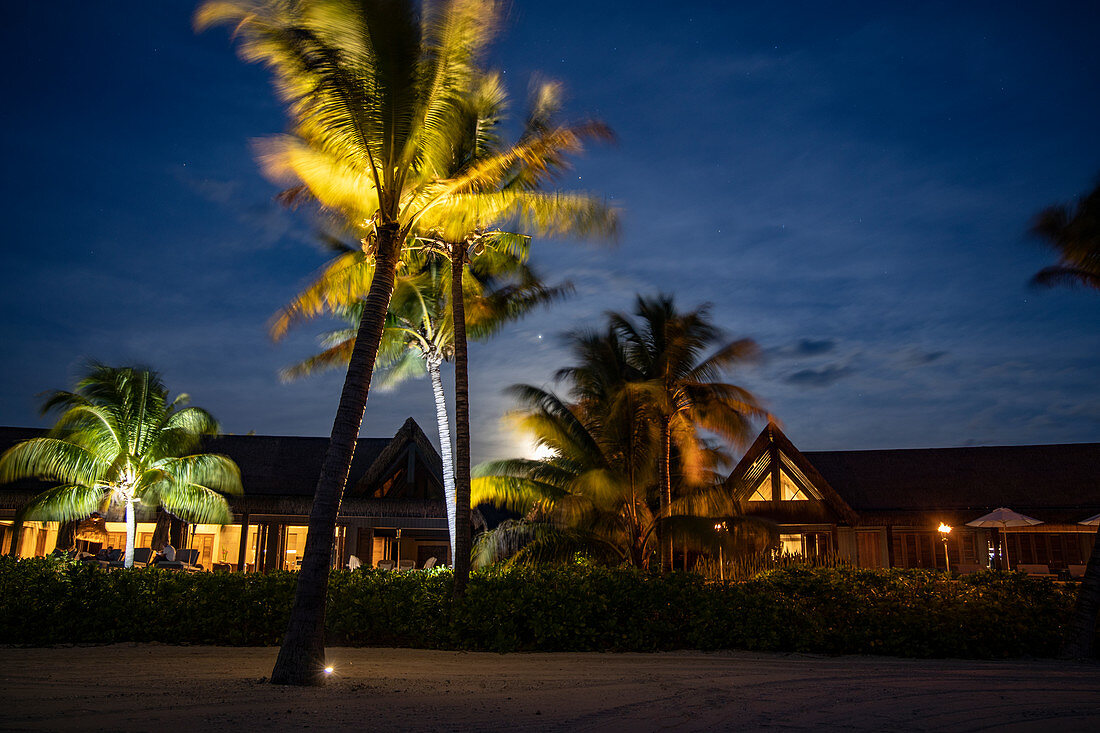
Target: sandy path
{"x":168,"y":688}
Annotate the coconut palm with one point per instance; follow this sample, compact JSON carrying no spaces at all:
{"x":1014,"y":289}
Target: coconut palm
{"x":1074,"y":233}
{"x":680,"y":386}
{"x":419,"y":334}
{"x":373,"y":87}
{"x":595,"y":494}
{"x":120,"y":443}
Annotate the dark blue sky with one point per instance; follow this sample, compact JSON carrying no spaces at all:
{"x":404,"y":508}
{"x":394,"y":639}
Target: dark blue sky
{"x":848,"y":183}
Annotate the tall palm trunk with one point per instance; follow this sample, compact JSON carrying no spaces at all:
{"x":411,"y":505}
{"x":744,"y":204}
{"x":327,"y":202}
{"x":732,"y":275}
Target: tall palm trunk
{"x":462,"y":425}
{"x":128,"y":560}
{"x":665,"y":538}
{"x":444,"y":424}
{"x":302,"y":657}
{"x":1080,"y":643}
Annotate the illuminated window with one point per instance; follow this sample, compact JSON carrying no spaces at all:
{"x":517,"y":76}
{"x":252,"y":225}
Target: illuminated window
{"x":763,"y":491}
{"x":790,"y":490}
{"x":790,"y":544}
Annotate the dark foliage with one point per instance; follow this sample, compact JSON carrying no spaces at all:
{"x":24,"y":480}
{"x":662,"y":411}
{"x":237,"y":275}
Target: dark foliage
{"x":910,"y":613}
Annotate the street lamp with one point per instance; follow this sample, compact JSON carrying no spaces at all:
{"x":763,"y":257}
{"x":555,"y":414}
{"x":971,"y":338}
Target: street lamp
{"x":720,"y":527}
{"x":944,"y":531}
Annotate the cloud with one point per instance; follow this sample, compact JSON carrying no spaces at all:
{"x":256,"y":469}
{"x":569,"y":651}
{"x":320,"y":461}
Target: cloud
{"x":823,"y":377}
{"x":803,"y":348}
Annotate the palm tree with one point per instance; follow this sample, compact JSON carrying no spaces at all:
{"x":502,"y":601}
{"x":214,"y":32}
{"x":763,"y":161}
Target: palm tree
{"x":596,"y":492}
{"x":374,"y":87}
{"x":419,"y":333}
{"x":681,"y":386}
{"x":1074,"y":233}
{"x":119,"y":442}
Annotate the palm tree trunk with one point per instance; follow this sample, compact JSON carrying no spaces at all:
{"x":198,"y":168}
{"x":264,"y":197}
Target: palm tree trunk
{"x":665,"y":542}
{"x":462,"y":425}
{"x":1080,"y":643}
{"x":128,"y":561}
{"x":302,"y":656}
{"x":444,"y":445}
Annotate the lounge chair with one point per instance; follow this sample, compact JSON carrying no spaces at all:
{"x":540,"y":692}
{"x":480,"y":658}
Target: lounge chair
{"x":1076,"y":571}
{"x":385,"y":565}
{"x":1036,"y":571}
{"x":190,"y":559}
{"x":429,"y":563}
{"x":407,"y":565}
{"x":353,"y":563}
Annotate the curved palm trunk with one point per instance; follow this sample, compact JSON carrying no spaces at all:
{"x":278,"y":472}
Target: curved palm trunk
{"x":1082,"y":629}
{"x":302,"y":656}
{"x":128,"y":560}
{"x":444,"y":445}
{"x":462,"y":425}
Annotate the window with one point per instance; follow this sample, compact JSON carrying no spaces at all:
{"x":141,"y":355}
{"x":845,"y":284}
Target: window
{"x":790,"y":544}
{"x":789,"y":490}
{"x":763,"y":491}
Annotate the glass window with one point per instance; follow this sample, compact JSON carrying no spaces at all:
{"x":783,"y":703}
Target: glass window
{"x":764,"y":490}
{"x":789,"y":489}
{"x":790,"y":544}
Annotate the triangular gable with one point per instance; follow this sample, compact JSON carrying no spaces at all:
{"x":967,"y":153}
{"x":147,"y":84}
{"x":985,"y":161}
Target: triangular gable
{"x":772,"y":451}
{"x":409,"y":464}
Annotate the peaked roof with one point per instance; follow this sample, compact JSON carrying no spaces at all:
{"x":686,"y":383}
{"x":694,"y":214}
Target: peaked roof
{"x":281,"y":465}
{"x":772,"y":437}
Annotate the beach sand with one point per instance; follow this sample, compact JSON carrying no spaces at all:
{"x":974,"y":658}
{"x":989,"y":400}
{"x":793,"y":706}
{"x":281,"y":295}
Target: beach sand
{"x":168,"y":688}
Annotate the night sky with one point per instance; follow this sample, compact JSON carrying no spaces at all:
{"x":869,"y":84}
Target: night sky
{"x":848,"y":184}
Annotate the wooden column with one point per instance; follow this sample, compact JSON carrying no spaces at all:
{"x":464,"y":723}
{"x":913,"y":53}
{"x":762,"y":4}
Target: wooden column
{"x":272,"y":549}
{"x":16,"y":537}
{"x":242,"y":553}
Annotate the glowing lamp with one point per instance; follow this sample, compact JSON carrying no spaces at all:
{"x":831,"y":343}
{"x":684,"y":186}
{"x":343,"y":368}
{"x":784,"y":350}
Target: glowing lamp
{"x":944,"y":529}
{"x":328,"y":670}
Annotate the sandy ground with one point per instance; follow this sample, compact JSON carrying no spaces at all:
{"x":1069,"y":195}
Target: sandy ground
{"x":170,"y":688}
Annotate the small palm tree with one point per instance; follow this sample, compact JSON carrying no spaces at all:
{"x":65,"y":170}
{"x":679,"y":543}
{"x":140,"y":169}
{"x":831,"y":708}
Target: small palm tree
{"x":120,"y":442}
{"x":681,"y":387}
{"x":1074,"y":233}
{"x":419,"y":336}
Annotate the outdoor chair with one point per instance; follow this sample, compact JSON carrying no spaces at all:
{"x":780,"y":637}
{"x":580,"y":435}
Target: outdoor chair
{"x":353,"y":563}
{"x":190,"y":559}
{"x":429,"y":563}
{"x":385,"y":564}
{"x":1076,"y":571}
{"x":406,"y":565}
{"x":1036,"y":571}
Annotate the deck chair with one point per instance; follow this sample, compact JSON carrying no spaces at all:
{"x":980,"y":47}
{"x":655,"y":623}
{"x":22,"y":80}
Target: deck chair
{"x":1076,"y":571}
{"x":406,"y":565}
{"x":385,"y":564}
{"x":353,"y":563}
{"x":143,"y":556}
{"x":429,"y":563}
{"x":189,"y":558}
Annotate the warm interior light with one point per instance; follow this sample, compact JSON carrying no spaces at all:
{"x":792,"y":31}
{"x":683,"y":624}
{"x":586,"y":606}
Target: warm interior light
{"x":944,"y":528}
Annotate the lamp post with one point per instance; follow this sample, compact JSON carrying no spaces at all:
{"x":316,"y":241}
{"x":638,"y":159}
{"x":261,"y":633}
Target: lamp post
{"x":720,"y":527}
{"x":944,"y":531}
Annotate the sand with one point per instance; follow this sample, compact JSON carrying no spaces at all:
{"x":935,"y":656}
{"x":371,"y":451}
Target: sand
{"x":169,"y":688}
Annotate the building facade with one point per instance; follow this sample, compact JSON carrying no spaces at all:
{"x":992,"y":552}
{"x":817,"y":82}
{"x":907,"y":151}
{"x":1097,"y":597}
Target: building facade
{"x":882,"y":508}
{"x":393,"y":508}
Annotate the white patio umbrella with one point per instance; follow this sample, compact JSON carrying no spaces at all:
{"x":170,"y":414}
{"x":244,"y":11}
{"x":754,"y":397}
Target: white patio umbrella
{"x":1093,"y":520}
{"x":1004,"y":517}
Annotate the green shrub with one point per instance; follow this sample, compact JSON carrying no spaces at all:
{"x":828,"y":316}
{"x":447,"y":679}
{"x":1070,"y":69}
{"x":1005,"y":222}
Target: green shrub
{"x":912,"y":613}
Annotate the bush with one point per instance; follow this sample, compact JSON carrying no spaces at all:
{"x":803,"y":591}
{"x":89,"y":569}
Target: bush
{"x":912,"y":613}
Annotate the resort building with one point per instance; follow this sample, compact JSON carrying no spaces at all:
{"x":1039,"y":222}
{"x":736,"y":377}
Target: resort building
{"x":393,"y":507}
{"x":883,"y":508}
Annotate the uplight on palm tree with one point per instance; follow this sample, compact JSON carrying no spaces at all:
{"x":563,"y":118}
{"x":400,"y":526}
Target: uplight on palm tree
{"x":121,"y":444}
{"x":374,"y":88}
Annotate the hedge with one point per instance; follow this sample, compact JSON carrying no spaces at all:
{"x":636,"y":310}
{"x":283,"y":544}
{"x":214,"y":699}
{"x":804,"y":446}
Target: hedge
{"x":912,"y":613}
